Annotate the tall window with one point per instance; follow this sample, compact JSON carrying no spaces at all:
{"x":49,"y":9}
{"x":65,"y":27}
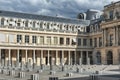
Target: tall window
{"x":84,"y":42}
{"x":95,"y":42}
{"x":61,"y":41}
{"x":55,"y":40}
{"x":79,"y":41}
{"x":26,"y":23}
{"x":111,"y":14}
{"x":41,"y":39}
{"x":111,"y":39}
{"x":26,"y":38}
{"x":91,"y":42}
{"x":2,"y":21}
{"x":34,"y":24}
{"x":100,"y":41}
{"x":48,"y":40}
{"x":19,"y":38}
{"x":48,"y":27}
{"x":41,"y":25}
{"x":34,"y":39}
{"x":67,"y":41}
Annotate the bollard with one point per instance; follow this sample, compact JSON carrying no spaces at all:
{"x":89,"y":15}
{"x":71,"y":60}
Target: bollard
{"x":69,"y":74}
{"x":35,"y":77}
{"x":21,"y":74}
{"x":11,"y":73}
{"x":52,"y":72}
{"x":53,"y":78}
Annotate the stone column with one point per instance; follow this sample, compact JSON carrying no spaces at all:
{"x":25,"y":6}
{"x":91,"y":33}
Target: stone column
{"x":26,"y":56}
{"x":81,"y":55}
{"x":9,"y":57}
{"x":75,"y":56}
{"x":62,"y":57}
{"x":56,"y":57}
{"x":68,"y":57}
{"x":88,"y":59}
{"x":34,"y":57}
{"x":0,"y":57}
{"x":17,"y":56}
{"x":41,"y":57}
{"x":103,"y":38}
{"x":117,"y":36}
{"x":114,"y":42}
{"x":48,"y":55}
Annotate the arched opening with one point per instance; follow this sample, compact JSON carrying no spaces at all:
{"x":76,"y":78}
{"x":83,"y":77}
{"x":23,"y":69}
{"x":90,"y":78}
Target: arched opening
{"x":98,"y":56}
{"x":109,"y":57}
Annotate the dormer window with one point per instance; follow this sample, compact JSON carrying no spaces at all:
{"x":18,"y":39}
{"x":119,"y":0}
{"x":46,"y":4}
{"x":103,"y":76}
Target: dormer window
{"x":111,"y":14}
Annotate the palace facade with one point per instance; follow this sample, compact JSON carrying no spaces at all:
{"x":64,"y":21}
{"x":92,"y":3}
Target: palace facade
{"x":47,"y":40}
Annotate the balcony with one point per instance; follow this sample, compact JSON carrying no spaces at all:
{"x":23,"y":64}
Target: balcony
{"x":36,"y":45}
{"x":36,"y":29}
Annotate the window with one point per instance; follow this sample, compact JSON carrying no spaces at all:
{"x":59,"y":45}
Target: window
{"x":84,"y":42}
{"x":26,"y":24}
{"x":61,"y":41}
{"x":19,"y":38}
{"x":48,"y":27}
{"x":79,"y":41}
{"x":60,"y":26}
{"x":111,"y":14}
{"x":100,"y":41}
{"x":91,"y":42}
{"x":67,"y":41}
{"x":34,"y":39}
{"x":2,"y":37}
{"x":41,"y":39}
{"x":48,"y":40}
{"x":111,"y":39}
{"x":41,"y":25}
{"x":2,"y":21}
{"x":11,"y":38}
{"x":74,"y":41}
{"x":34,"y":24}
{"x":26,"y":39}
{"x":55,"y":40}
{"x":18,"y":24}
{"x":95,"y":42}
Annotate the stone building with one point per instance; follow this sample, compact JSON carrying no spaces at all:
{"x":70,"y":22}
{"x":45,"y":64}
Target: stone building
{"x":47,"y":40}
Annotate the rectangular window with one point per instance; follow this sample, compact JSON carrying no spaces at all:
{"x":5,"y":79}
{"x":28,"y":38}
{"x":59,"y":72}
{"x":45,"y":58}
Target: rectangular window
{"x":79,"y":42}
{"x":55,"y":40}
{"x":111,"y":39}
{"x":26,"y":38}
{"x":41,"y":39}
{"x":95,"y":42}
{"x":34,"y":39}
{"x":26,"y":24}
{"x":2,"y":37}
{"x":84,"y":42}
{"x":2,"y":21}
{"x":111,"y":14}
{"x":67,"y":41}
{"x":61,"y":41}
{"x":19,"y":38}
{"x":48,"y":40}
{"x":100,"y":41}
{"x":11,"y":38}
{"x":91,"y":42}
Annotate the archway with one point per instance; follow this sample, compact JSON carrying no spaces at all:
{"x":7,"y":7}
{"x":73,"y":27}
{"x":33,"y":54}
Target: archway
{"x":98,"y":56}
{"x":109,"y":57}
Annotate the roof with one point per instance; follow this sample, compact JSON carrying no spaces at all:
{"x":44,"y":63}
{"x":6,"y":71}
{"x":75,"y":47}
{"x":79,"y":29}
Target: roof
{"x":43,"y":17}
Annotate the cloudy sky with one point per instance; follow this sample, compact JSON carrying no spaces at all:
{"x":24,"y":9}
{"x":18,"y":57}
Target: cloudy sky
{"x":63,"y":8}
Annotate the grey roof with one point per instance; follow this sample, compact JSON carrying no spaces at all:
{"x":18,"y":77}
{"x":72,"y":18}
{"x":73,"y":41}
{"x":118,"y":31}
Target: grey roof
{"x":42,"y":17}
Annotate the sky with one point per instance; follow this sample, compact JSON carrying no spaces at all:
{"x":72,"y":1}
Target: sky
{"x":61,"y":8}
